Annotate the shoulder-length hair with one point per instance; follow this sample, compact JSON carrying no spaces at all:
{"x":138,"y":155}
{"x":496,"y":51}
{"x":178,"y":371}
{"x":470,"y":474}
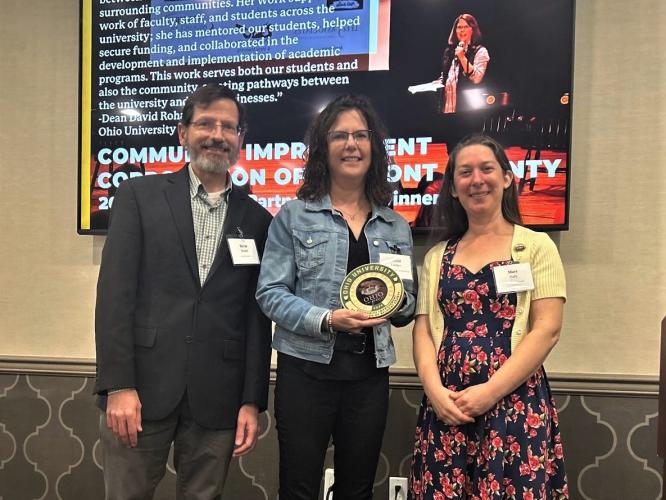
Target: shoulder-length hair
{"x":450,"y":219}
{"x":477,"y":37}
{"x":316,"y":176}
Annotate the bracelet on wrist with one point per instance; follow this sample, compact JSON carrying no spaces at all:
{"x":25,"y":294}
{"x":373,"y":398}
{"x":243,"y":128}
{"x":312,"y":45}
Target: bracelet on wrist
{"x":329,"y":321}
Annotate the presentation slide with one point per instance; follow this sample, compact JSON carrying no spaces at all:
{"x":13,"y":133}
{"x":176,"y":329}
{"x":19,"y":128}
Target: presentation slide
{"x":286,"y":59}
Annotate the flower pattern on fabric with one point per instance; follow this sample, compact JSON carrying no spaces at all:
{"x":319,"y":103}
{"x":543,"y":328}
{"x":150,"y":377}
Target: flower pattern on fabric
{"x":514,"y":451}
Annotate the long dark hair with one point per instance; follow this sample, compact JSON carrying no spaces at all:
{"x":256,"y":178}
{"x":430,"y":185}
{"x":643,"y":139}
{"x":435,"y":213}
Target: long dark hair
{"x":450,"y":219}
{"x":316,"y":176}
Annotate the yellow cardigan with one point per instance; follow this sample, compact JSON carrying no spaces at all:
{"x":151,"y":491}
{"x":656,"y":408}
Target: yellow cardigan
{"x":526,"y":246}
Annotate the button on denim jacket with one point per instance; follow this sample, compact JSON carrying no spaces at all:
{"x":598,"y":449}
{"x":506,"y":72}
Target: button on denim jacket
{"x":304,"y":263}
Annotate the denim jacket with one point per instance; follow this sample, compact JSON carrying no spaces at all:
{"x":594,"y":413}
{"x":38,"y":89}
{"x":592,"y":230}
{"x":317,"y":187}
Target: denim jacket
{"x":303,"y":266}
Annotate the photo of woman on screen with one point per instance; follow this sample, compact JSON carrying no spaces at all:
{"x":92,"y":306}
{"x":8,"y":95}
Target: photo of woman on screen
{"x":464,"y":63}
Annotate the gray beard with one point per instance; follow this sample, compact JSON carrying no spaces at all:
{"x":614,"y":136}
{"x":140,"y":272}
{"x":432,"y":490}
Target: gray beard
{"x":211,"y":166}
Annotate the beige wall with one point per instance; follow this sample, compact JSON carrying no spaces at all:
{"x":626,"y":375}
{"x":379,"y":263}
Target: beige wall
{"x":614,"y":253}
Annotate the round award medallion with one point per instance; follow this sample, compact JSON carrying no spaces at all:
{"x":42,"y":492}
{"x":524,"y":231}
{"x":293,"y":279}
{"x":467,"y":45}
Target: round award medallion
{"x":374,"y":289}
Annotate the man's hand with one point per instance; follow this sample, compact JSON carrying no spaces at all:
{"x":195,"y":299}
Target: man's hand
{"x":123,"y":415}
{"x":247,"y":429}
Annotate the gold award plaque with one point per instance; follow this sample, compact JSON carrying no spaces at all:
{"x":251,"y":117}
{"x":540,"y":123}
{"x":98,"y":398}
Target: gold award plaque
{"x":374,"y":289}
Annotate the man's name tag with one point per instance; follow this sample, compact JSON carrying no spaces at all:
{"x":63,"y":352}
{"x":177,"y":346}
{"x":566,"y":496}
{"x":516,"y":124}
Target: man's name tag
{"x":513,"y":278}
{"x":243,"y":251}
{"x":401,"y":264}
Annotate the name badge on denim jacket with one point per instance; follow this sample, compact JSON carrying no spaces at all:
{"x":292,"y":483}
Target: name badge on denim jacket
{"x":401,"y":264}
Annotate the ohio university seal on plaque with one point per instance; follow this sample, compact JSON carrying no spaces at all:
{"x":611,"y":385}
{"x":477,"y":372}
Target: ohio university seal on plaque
{"x":374,"y":289}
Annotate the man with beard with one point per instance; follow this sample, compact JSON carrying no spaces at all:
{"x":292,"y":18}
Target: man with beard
{"x":183,"y":350}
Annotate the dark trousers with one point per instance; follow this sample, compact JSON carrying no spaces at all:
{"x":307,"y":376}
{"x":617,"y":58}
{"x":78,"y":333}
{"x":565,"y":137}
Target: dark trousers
{"x":308,"y":412}
{"x":201,"y":458}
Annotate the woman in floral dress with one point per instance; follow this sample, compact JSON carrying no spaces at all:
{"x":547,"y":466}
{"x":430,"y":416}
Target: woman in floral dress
{"x":488,"y":313}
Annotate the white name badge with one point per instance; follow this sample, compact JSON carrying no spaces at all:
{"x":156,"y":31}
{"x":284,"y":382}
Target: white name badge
{"x":243,"y":251}
{"x":513,"y":278}
{"x":401,"y":264}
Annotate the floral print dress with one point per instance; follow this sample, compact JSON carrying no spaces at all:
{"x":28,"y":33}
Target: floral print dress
{"x":513,"y":451}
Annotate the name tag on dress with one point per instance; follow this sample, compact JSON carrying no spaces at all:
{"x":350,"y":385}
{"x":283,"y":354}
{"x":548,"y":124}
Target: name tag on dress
{"x":243,"y":251}
{"x":401,"y":264}
{"x":513,"y":278}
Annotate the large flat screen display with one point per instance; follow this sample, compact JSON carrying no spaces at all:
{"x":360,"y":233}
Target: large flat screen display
{"x":435,"y":70}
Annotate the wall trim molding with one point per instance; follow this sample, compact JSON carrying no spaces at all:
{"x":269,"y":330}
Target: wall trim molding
{"x":567,"y":383}
{"x":38,"y":365}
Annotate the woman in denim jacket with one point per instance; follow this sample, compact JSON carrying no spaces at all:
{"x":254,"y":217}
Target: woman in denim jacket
{"x":332,"y":370}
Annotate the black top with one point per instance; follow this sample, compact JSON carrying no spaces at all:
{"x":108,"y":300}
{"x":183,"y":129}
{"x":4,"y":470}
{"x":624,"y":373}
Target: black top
{"x":345,"y":364}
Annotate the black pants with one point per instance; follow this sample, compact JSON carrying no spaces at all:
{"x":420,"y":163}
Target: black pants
{"x":308,"y":412}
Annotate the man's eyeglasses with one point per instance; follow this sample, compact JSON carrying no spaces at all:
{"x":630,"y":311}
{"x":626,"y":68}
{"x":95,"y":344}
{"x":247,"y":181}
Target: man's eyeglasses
{"x":210,"y":126}
{"x":340,"y":137}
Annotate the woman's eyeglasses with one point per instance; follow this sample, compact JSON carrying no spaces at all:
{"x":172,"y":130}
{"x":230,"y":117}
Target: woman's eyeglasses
{"x":341,"y":137}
